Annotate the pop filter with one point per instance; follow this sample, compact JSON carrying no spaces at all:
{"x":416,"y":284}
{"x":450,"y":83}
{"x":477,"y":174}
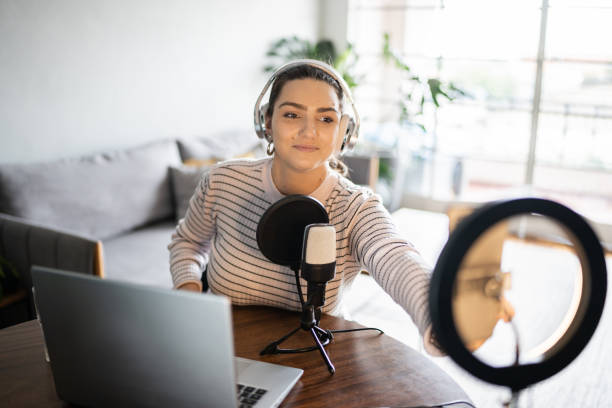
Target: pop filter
{"x":280,"y":232}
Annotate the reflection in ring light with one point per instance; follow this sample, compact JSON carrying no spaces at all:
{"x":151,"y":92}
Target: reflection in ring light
{"x":546,"y":293}
{"x":564,"y":270}
{"x":476,"y":311}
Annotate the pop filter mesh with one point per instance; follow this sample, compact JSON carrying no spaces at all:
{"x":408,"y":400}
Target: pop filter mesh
{"x":280,"y":232}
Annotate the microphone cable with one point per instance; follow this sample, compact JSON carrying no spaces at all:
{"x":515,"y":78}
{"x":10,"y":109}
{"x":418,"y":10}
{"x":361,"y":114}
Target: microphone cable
{"x":325,"y":335}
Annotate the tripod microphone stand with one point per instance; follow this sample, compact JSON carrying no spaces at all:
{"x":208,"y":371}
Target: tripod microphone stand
{"x":309,"y":321}
{"x":317,"y":275}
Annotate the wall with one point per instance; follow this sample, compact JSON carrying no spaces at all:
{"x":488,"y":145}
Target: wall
{"x":84,"y":76}
{"x":333,"y":21}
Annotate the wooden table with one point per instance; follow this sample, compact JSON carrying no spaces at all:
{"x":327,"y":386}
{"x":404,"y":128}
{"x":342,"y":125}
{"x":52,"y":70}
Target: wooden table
{"x":371,"y":369}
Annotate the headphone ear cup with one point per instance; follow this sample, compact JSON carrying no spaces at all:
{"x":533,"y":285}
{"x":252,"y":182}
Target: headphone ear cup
{"x":347,"y":127}
{"x":261,"y":129}
{"x":342,"y":129}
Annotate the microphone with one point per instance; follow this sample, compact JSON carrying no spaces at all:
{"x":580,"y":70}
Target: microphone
{"x":318,"y":261}
{"x":295,"y":231}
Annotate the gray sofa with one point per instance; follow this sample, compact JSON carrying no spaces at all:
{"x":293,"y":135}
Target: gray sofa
{"x":110,"y":214}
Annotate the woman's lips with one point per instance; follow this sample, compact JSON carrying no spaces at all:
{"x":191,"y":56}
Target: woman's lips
{"x":304,"y":148}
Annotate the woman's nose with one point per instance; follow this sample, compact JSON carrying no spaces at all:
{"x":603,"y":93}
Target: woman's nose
{"x":309,"y":127}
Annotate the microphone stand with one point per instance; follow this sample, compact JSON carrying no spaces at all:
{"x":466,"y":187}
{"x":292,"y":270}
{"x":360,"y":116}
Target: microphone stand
{"x":309,"y":321}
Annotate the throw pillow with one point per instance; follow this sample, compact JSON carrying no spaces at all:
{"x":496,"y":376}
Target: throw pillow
{"x":184,"y":180}
{"x":221,"y":146}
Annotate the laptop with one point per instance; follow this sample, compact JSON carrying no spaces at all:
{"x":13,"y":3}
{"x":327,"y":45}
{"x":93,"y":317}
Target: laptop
{"x":117,"y":344}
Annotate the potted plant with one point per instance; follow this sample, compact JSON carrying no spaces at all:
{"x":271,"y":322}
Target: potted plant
{"x":290,"y":48}
{"x":415,"y":92}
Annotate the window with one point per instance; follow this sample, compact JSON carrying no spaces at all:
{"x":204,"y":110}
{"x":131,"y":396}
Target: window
{"x":539,"y":119}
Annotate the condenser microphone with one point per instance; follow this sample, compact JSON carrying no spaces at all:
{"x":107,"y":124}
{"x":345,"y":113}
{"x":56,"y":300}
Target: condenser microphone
{"x":295,"y":231}
{"x":318,"y":261}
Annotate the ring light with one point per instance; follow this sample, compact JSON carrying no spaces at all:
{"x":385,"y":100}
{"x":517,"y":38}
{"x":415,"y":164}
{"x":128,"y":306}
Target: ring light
{"x":569,"y":345}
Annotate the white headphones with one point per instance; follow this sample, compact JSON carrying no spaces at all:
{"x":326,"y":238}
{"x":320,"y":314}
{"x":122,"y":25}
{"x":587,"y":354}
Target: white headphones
{"x":349,"y":125}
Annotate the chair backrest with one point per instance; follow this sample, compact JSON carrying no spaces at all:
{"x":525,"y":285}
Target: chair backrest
{"x":363,"y":170}
{"x":23,"y":244}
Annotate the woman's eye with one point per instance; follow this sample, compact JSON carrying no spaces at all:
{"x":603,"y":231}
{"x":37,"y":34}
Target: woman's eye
{"x":290,"y":115}
{"x":327,"y":119}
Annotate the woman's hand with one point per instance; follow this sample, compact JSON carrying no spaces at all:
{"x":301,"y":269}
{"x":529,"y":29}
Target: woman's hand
{"x":190,"y":286}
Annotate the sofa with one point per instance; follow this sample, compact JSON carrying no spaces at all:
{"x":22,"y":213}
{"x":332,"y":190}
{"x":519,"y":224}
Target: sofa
{"x":109,"y":214}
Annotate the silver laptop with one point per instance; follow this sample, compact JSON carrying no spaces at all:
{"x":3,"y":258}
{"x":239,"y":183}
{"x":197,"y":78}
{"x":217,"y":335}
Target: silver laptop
{"x":117,"y":344}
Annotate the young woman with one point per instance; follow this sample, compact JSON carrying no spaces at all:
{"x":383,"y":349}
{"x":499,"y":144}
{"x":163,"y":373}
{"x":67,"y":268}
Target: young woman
{"x":304,"y":121}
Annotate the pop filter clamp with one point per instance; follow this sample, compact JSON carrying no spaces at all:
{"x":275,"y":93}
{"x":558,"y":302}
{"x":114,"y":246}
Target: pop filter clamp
{"x":280,"y":237}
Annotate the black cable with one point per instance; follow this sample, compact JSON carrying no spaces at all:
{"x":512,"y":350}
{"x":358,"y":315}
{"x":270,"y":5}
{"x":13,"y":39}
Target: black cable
{"x":301,"y":296}
{"x":469,"y":404}
{"x":324,"y":336}
{"x":354,"y":330}
{"x":299,"y":287}
{"x":458,"y":402}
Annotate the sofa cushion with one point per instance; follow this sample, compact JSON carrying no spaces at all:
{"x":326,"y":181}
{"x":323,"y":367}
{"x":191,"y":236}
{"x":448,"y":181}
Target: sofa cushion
{"x":221,"y":146}
{"x":97,"y":196}
{"x":184,"y":180}
{"x":140,"y":256}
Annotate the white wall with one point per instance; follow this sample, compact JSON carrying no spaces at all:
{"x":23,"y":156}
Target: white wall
{"x":333,"y":21}
{"x":84,"y":76}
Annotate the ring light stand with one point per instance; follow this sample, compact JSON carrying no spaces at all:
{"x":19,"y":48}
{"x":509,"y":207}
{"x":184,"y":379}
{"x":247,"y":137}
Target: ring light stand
{"x":280,"y":234}
{"x":567,"y":347}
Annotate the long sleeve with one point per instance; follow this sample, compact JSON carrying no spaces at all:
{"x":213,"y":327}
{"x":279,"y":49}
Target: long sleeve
{"x":391,"y":260}
{"x":191,"y":240}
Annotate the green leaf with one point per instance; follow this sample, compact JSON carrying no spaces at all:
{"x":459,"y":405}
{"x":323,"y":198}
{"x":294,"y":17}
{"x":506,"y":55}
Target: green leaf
{"x":386,"y":47}
{"x":420,"y":126}
{"x":390,"y":54}
{"x":458,"y":91}
{"x":421,"y":104}
{"x":341,"y":60}
{"x":435,"y":88}
{"x":325,"y":51}
{"x":279,"y":43}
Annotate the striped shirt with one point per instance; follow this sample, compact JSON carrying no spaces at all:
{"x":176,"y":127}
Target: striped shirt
{"x":219,"y":230}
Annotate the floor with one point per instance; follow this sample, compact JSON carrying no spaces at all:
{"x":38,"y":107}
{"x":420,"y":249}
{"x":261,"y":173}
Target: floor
{"x":540,"y":300}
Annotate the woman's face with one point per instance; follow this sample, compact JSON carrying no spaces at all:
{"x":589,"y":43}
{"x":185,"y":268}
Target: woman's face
{"x":305,"y":125}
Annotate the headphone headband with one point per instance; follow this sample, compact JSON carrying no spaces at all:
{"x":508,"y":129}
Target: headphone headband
{"x":352,"y":130}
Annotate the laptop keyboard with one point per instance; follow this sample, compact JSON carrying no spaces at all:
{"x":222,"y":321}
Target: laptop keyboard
{"x":249,"y":396}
